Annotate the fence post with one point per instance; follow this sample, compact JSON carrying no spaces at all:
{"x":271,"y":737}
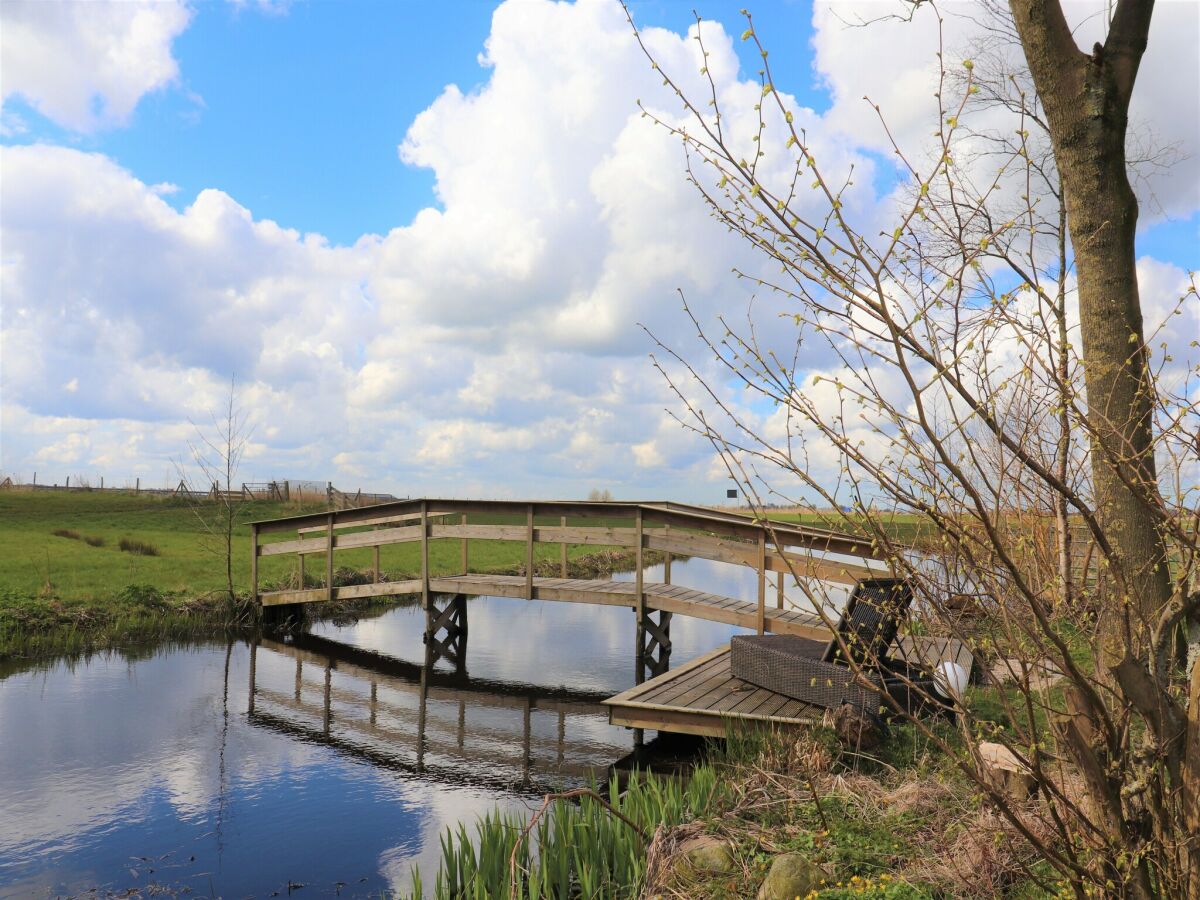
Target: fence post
{"x":465,"y":558}
{"x":254,"y":564}
{"x":529,"y":551}
{"x":329,"y":558}
{"x":68,"y":482}
{"x":762,"y":582}
{"x":639,"y":597}
{"x":375,"y":570}
{"x":425,"y":554}
{"x":779,"y":589}
{"x":639,"y":653}
{"x":137,"y":487}
{"x":667,"y":558}
{"x":562,"y":549}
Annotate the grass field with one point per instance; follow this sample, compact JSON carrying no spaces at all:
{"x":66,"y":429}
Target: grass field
{"x":36,"y":561}
{"x":62,"y":566}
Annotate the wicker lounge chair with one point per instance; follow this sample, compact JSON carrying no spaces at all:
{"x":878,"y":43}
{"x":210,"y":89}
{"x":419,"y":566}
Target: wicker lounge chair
{"x":819,"y":672}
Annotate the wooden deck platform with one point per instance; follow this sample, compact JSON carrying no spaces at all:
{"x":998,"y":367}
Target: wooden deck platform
{"x":700,"y":697}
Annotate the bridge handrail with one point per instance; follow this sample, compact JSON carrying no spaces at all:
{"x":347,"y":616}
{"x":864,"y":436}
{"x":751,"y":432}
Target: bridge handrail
{"x":670,"y":528}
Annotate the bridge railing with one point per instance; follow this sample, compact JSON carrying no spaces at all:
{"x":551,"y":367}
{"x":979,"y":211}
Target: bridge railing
{"x":786,"y":550}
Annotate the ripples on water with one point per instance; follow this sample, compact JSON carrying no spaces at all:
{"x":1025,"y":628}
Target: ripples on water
{"x":149,"y":766}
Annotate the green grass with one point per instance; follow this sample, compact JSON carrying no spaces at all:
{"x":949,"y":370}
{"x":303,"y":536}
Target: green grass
{"x":72,"y":565}
{"x":904,"y":527}
{"x":35,"y":561}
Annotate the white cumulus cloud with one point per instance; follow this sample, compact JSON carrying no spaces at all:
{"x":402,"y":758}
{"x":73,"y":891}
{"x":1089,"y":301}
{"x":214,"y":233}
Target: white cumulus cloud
{"x":86,"y":65}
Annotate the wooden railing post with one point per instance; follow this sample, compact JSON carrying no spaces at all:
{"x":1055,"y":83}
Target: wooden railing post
{"x":762,"y":583}
{"x":667,"y":556}
{"x":254,"y":564}
{"x":466,"y":566}
{"x":639,"y":590}
{"x":301,"y":557}
{"x":329,"y":559}
{"x":529,"y":551}
{"x":375,"y":564}
{"x":779,"y":589}
{"x":562,"y":550}
{"x":425,"y":554}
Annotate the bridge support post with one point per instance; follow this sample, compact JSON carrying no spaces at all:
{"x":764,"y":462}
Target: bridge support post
{"x":446,"y":632}
{"x":654,"y":637}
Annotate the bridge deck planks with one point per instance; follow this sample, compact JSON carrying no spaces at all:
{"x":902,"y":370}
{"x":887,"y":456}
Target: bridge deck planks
{"x":668,"y":597}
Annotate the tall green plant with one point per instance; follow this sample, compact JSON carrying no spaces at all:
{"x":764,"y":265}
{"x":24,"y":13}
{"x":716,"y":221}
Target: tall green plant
{"x":578,"y":850}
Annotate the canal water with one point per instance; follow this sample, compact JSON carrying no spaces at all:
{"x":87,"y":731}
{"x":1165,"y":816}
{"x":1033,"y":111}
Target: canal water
{"x":163,"y":768}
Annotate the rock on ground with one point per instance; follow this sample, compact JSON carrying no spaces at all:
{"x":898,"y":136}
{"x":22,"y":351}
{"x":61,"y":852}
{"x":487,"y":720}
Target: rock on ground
{"x":792,"y":875}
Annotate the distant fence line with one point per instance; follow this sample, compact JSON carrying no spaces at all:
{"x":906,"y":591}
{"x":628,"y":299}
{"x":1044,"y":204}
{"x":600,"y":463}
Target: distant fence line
{"x":283,"y":491}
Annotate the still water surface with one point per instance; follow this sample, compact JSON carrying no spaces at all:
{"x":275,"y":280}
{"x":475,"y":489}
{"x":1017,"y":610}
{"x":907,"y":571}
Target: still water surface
{"x":152,"y":766}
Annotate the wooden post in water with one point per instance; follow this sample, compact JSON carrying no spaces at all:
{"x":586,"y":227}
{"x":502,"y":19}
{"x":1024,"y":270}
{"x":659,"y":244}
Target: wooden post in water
{"x":527,"y":754}
{"x":254,"y":564}
{"x":762,"y":583}
{"x":466,"y":558}
{"x":329,"y":558}
{"x":562,"y":550}
{"x":529,"y":551}
{"x":328,"y":696}
{"x":298,"y":688}
{"x":253,"y":663}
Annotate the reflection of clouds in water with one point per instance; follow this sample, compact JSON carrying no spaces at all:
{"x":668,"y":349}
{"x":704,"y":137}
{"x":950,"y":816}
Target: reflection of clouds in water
{"x":443,"y":806}
{"x":101,"y":741}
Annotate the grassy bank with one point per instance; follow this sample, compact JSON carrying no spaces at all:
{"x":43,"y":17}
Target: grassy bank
{"x":902,"y":825}
{"x":85,"y":569}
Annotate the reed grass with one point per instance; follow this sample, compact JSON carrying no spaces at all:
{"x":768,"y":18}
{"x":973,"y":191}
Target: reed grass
{"x":577,"y":850}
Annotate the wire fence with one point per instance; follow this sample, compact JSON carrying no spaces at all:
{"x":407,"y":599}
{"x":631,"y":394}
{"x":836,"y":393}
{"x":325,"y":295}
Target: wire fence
{"x":280,"y":490}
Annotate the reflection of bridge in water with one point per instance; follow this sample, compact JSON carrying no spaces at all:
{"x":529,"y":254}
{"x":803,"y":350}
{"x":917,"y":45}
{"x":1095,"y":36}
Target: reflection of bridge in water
{"x":412,"y":718}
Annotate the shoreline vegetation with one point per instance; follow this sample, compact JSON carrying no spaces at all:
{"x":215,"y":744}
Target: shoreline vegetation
{"x":763,"y":814}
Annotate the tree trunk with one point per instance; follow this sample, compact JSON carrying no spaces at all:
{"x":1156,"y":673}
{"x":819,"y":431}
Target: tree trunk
{"x":1086,"y":98}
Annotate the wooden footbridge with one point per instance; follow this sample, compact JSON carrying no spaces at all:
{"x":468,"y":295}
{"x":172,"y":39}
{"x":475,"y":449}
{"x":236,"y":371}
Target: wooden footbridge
{"x":780,"y":554}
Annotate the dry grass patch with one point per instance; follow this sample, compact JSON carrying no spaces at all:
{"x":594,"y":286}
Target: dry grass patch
{"x":140,"y":548}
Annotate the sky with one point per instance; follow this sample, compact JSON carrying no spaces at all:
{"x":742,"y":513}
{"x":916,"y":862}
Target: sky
{"x":422,"y":238}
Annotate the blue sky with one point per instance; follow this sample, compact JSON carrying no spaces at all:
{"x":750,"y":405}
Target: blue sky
{"x":299,"y":113}
{"x":483,"y":337}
